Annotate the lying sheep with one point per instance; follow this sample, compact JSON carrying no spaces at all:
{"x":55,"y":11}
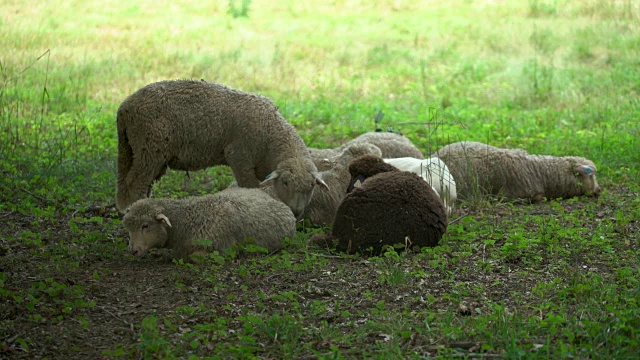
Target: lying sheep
{"x":391,"y":145}
{"x":226,"y":218}
{"x":435,"y":172}
{"x":389,"y":207}
{"x":192,"y":125}
{"x":323,"y":205}
{"x":514,"y":174}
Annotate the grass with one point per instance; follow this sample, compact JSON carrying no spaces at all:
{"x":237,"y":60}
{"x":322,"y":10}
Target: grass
{"x":550,"y":280}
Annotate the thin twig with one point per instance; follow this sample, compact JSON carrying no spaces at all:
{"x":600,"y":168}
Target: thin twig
{"x":431,"y":123}
{"x":458,"y":219}
{"x":116,"y":316}
{"x":45,"y":200}
{"x":327,"y":256}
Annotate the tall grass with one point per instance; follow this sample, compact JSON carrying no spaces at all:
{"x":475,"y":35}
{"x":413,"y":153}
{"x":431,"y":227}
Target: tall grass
{"x":551,"y":76}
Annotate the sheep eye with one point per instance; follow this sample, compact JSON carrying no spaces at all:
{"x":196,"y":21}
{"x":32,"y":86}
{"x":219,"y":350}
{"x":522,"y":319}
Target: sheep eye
{"x":285,"y":184}
{"x":145,"y":227}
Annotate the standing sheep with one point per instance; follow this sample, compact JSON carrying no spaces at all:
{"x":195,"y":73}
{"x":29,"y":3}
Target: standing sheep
{"x":191,"y":125}
{"x":389,"y":207}
{"x":435,"y":172}
{"x":391,"y":145}
{"x":226,"y":218}
{"x":514,"y":174}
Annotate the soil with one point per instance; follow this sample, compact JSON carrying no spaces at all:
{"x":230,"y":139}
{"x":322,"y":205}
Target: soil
{"x":124,"y":290}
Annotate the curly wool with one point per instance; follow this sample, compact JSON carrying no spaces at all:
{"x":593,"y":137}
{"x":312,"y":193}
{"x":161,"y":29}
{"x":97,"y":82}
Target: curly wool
{"x":515,"y":174}
{"x":435,"y":172}
{"x":226,"y":218}
{"x":191,"y":125}
{"x":324,"y":204}
{"x":390,"y":207}
{"x":391,"y":145}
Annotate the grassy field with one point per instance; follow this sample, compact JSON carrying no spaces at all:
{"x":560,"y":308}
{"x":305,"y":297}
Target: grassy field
{"x":557,"y":279}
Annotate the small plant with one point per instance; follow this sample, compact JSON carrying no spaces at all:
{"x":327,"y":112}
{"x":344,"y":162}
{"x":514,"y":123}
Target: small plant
{"x":542,"y":8}
{"x":391,"y":271}
{"x":239,"y":10}
{"x":152,"y":344}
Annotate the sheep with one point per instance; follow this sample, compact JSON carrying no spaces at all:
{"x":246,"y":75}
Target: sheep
{"x":225,"y":218}
{"x":191,"y":125}
{"x":515,"y":174}
{"x":391,"y":145}
{"x":323,"y":205}
{"x":435,"y":172}
{"x":389,"y":207}
{"x":322,"y":208}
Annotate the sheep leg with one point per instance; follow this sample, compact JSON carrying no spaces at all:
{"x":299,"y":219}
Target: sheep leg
{"x":242,"y":168}
{"x":138,"y":182}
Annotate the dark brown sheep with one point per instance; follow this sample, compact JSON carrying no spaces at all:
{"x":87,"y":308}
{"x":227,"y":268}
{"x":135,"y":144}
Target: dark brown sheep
{"x":389,"y":207}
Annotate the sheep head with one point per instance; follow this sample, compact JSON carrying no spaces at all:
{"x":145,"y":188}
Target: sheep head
{"x":294,"y":181}
{"x":358,"y":149}
{"x":586,"y":175}
{"x":366,"y":166}
{"x":147,"y":226}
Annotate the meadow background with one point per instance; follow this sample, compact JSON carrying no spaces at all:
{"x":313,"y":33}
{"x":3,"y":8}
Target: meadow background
{"x":557,"y":77}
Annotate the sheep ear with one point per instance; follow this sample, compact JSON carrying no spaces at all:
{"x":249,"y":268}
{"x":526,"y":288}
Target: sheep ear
{"x":274,"y":175}
{"x":584,"y":169}
{"x":321,"y":182}
{"x":163,"y":217}
{"x":356,"y":182}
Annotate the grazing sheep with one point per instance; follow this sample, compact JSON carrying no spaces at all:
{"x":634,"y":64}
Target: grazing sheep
{"x":389,"y":207}
{"x":322,"y":208}
{"x":226,"y":218}
{"x":435,"y":172}
{"x":515,"y":174}
{"x":192,"y":125}
{"x":391,"y":145}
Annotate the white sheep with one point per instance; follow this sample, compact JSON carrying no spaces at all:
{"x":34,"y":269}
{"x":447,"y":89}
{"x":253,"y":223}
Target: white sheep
{"x":226,"y":218}
{"x":391,"y":145}
{"x":515,"y":174}
{"x":435,"y":172}
{"x":191,"y":125}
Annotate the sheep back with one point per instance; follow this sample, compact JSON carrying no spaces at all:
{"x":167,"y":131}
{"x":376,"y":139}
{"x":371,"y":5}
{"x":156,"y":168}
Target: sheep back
{"x":226,"y":218}
{"x":391,"y":144}
{"x":389,"y":208}
{"x":435,"y":172}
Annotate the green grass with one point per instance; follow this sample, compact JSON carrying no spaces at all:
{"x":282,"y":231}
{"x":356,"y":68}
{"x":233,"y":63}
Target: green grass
{"x":557,"y":279}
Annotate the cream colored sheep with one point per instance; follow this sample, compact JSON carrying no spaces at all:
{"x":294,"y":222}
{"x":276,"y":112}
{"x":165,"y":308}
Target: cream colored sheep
{"x":192,"y":125}
{"x":514,"y":174}
{"x":435,"y":172}
{"x":226,"y":218}
{"x":323,"y":205}
{"x":391,"y":145}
